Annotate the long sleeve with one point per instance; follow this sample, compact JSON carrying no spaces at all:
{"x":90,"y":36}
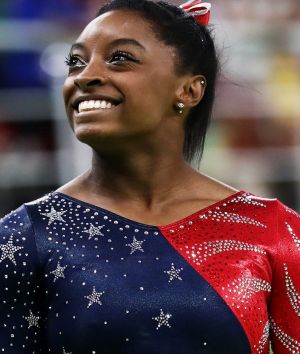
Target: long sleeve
{"x":20,"y":289}
{"x":285,"y":298}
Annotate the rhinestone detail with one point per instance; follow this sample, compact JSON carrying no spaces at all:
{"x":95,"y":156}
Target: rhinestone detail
{"x":293,"y":295}
{"x":199,"y":253}
{"x":287,"y":341}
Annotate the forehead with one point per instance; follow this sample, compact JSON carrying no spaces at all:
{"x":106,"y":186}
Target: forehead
{"x":121,"y":23}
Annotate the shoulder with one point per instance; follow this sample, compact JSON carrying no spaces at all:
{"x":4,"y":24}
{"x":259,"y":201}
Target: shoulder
{"x":283,"y":222}
{"x":278,"y":226}
{"x":17,"y":220}
{"x":270,"y":210}
{"x":281,"y":237}
{"x":18,"y":238}
{"x":22,"y":219}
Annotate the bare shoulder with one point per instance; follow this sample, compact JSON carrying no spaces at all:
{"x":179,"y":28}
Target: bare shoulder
{"x":74,"y":187}
{"x":209,"y":188}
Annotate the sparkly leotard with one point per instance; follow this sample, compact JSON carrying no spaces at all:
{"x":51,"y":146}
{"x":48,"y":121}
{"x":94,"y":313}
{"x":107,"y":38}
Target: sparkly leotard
{"x":76,"y":278}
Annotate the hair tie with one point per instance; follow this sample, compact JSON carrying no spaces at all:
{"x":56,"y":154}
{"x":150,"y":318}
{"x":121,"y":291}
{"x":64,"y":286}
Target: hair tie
{"x":200,"y":10}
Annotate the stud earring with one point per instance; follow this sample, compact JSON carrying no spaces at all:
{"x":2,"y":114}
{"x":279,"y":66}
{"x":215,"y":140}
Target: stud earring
{"x":203,"y":83}
{"x":180,"y":107}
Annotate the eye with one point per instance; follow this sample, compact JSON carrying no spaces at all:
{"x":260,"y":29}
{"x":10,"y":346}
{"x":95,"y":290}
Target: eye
{"x":72,"y":61}
{"x":121,"y":56}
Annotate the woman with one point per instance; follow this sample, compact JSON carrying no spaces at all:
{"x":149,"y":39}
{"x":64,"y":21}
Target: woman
{"x":142,"y":254}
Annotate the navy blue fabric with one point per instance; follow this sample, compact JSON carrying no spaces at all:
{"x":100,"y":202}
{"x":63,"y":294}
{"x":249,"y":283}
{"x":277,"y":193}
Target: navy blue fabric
{"x":72,"y":250}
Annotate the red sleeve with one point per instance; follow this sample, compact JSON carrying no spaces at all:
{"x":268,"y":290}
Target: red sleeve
{"x":285,"y":299}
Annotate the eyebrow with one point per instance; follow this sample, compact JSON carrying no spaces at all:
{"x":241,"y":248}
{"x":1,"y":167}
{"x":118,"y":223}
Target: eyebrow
{"x":114,"y":43}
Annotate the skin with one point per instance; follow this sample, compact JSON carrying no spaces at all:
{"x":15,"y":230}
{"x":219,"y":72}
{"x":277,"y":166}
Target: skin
{"x":138,"y":170}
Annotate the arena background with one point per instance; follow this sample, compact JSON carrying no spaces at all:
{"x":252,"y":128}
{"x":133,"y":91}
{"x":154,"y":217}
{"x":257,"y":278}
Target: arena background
{"x":254,"y":140}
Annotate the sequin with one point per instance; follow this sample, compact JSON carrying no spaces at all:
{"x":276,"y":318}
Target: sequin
{"x":244,"y":288}
{"x":230,"y":217}
{"x":58,"y":272}
{"x":75,"y":278}
{"x":292,"y":293}
{"x":294,"y":236}
{"x":173,"y":273}
{"x":162,"y":319}
{"x":8,"y":251}
{"x":264,"y":339}
{"x":199,"y":253}
{"x":135,"y":245}
{"x":94,"y":297}
{"x":94,"y":230}
{"x":247,"y":199}
{"x":32,"y":320}
{"x":291,"y":344}
{"x":54,"y":215}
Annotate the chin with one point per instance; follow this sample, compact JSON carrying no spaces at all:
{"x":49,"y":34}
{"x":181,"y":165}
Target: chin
{"x":85,"y":134}
{"x":97,"y":138}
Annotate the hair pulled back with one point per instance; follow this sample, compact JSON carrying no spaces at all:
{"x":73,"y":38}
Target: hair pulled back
{"x":196,"y":54}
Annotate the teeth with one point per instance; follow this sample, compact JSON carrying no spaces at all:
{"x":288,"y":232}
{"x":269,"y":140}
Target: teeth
{"x":91,"y":105}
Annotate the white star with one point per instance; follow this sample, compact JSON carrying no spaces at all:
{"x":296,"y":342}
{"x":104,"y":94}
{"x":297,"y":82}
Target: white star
{"x":94,"y":297}
{"x":54,"y":215}
{"x":173,"y":273}
{"x":64,"y":351}
{"x":135,"y":245}
{"x":94,"y":230}
{"x":162,"y":319}
{"x":58,"y":272}
{"x":32,"y":320}
{"x":8,"y":250}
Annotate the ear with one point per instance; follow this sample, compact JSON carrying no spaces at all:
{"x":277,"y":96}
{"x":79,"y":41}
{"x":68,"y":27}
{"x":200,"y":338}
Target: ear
{"x":191,"y":90}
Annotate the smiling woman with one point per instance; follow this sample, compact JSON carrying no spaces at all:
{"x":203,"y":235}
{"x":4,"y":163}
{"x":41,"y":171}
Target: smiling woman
{"x":141,"y":253}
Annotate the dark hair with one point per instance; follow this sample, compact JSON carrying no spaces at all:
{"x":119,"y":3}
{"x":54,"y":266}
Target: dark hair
{"x":196,"y":54}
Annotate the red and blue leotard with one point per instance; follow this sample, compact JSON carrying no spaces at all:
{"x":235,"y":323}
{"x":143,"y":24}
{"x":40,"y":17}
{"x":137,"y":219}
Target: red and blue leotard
{"x":76,"y":278}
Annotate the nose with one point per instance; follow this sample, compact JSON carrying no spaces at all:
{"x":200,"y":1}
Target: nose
{"x":86,"y":83}
{"x":89,"y":78}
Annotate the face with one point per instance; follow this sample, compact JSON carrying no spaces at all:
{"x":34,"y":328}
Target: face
{"x":121,"y":80}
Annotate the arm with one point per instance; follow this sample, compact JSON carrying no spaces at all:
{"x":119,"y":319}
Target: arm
{"x":285,"y":298}
{"x":20,"y":286}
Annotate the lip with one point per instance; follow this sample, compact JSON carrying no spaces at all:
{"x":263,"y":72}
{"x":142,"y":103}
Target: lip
{"x":79,"y":99}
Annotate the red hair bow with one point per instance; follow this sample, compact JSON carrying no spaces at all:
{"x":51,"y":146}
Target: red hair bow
{"x":200,"y":10}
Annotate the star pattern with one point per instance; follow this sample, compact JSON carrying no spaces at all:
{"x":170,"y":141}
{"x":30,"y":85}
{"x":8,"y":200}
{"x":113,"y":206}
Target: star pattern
{"x":58,"y":272}
{"x":173,"y":273}
{"x":54,"y":215}
{"x":200,"y":254}
{"x":94,"y":297}
{"x":32,"y":320}
{"x":135,"y":245}
{"x":8,"y":251}
{"x":162,"y":319}
{"x":94,"y":230}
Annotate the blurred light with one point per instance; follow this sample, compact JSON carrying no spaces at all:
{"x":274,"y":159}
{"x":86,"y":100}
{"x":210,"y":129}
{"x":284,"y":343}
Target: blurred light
{"x":53,"y":59}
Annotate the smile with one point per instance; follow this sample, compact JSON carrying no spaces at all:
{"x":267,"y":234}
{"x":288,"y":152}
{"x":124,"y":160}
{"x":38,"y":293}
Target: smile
{"x":92,"y":105}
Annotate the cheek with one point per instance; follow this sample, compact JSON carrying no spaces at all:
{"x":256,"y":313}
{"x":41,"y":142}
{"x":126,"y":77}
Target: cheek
{"x":153,"y":92}
{"x":68,"y":87}
{"x":158,"y":93}
{"x":67,"y":93}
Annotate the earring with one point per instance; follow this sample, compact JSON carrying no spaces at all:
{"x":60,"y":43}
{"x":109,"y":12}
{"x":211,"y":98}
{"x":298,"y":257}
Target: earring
{"x":203,"y":83}
{"x":180,"y":107}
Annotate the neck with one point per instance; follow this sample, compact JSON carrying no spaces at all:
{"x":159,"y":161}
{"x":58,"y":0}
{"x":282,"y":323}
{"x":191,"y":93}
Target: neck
{"x":145,"y":180}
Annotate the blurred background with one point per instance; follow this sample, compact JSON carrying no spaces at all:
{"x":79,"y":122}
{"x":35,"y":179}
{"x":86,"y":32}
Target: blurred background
{"x":254,"y":140}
